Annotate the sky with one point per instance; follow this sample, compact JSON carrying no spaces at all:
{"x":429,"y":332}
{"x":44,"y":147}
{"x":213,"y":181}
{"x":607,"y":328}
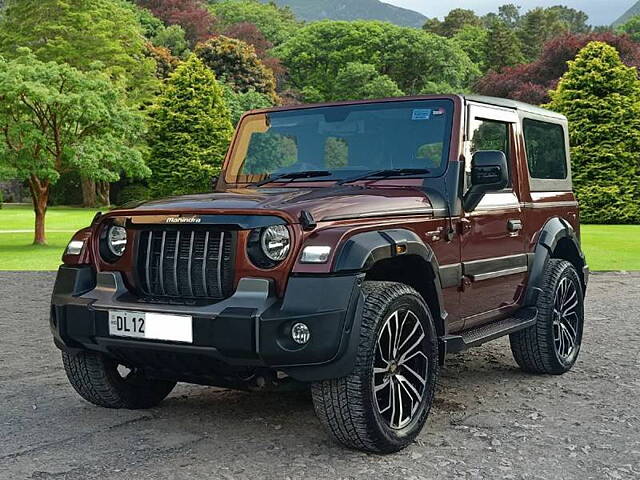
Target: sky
{"x":601,"y":12}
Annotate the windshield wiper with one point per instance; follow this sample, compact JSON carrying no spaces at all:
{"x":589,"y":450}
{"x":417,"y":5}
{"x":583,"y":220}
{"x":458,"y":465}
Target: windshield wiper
{"x":294,"y":176}
{"x":393,"y":172}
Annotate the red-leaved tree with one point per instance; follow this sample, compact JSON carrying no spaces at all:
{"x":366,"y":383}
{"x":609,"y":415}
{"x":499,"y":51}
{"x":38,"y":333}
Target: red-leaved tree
{"x":251,"y":34}
{"x":191,"y":15}
{"x":531,"y":82}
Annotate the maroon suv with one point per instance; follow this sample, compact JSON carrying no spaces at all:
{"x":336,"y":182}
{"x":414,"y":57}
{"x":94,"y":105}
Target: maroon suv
{"x":348,"y":247}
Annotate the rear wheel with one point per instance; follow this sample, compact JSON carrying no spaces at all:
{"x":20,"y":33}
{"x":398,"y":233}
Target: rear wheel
{"x":553,"y":343}
{"x":383,"y":404}
{"x":103,"y":382}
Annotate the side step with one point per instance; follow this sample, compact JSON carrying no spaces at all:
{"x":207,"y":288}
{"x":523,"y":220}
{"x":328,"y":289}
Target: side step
{"x":485,"y":333}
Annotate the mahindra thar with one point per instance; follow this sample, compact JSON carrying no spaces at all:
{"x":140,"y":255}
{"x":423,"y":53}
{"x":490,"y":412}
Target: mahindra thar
{"x":345,"y":247}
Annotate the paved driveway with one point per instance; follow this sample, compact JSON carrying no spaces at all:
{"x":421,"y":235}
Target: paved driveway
{"x":490,"y":420}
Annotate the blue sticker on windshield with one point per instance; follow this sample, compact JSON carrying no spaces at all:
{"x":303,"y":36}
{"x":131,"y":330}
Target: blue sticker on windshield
{"x":421,"y":114}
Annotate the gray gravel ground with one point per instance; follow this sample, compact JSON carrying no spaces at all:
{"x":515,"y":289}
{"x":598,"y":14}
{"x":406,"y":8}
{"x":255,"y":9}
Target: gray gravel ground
{"x":490,"y":420}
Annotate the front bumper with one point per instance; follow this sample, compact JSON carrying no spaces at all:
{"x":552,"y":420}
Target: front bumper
{"x":249,"y":329}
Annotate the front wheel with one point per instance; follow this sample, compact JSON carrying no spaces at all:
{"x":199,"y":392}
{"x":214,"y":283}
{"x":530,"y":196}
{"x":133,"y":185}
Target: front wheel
{"x":103,"y":382}
{"x":383,"y":404}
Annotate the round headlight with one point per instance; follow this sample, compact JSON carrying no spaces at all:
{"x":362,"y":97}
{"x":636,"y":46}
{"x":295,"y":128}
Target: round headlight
{"x":116,"y":240}
{"x":275,"y":242}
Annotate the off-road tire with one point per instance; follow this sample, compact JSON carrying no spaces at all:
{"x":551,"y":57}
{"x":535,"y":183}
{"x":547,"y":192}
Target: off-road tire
{"x":346,"y":407}
{"x":534,"y":348}
{"x":97,"y":379}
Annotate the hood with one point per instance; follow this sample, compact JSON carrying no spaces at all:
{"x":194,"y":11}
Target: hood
{"x":324,"y":203}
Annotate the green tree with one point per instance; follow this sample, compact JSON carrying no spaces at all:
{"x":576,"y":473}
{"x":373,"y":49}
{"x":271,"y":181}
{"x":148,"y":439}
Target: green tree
{"x":574,"y":20}
{"x":276,"y":23}
{"x":80,"y":33}
{"x":504,"y":48}
{"x":55,"y":119}
{"x":239,"y":103}
{"x":537,"y":27}
{"x":190,"y":131}
{"x":473,"y":41}
{"x":455,"y":21}
{"x":631,"y":27}
{"x":362,"y":81}
{"x":509,"y":14}
{"x":237,"y":64}
{"x":172,"y":37}
{"x":600,"y":97}
{"x":412,"y":58}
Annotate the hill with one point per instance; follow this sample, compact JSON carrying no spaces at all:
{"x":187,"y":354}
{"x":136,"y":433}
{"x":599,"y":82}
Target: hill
{"x":353,"y":10}
{"x":634,"y":10}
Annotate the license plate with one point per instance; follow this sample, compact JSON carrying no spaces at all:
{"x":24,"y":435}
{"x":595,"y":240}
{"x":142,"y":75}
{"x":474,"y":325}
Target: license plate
{"x":151,"y":326}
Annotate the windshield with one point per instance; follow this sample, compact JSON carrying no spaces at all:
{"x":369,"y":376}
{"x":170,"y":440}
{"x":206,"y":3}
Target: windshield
{"x":343,"y":140}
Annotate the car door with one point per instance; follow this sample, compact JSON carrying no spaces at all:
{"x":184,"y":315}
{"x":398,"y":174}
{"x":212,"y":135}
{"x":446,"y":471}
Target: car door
{"x":492,"y":246}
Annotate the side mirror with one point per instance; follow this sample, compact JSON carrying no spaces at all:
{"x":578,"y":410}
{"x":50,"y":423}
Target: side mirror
{"x":489,"y":172}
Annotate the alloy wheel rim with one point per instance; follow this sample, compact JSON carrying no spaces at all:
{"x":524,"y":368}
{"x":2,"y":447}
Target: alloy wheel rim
{"x":400,"y":369}
{"x":565,"y":319}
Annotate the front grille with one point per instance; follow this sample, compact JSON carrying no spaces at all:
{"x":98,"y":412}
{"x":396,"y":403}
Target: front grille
{"x":182,"y":263}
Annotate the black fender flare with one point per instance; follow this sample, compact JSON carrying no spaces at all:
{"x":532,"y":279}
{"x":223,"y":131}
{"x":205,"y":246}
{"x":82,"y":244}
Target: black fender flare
{"x":551,"y":234}
{"x":362,"y":251}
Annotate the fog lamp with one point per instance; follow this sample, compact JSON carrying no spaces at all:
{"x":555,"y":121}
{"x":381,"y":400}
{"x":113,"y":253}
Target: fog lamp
{"x":300,"y":333}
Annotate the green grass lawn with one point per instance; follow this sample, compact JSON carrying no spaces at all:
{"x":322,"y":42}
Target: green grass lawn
{"x":16,"y":249}
{"x":607,"y":247}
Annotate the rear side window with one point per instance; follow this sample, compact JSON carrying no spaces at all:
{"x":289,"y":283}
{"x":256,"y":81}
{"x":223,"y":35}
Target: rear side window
{"x":546,"y":152}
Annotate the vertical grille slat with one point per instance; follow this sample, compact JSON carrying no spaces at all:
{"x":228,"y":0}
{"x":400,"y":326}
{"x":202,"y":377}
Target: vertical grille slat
{"x":184,"y":263}
{"x":220,"y":255}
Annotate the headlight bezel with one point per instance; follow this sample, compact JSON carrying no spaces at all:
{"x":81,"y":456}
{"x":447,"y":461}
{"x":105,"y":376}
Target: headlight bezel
{"x":258,"y":250}
{"x":108,"y":251}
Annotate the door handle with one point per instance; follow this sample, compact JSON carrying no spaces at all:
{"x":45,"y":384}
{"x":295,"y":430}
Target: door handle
{"x":514,"y":225}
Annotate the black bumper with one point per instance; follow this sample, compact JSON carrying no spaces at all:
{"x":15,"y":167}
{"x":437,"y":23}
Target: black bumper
{"x":249,"y":329}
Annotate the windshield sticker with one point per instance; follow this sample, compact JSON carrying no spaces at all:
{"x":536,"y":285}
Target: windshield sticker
{"x":421,"y":114}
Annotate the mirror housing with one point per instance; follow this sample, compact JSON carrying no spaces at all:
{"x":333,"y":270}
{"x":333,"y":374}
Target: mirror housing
{"x":489,"y":173}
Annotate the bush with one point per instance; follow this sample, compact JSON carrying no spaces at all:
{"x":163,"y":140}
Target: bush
{"x":133,"y":193}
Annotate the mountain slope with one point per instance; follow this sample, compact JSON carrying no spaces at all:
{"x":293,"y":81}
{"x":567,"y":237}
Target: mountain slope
{"x":353,"y":10}
{"x":634,"y":10}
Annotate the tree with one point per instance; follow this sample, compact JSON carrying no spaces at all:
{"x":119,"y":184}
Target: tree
{"x":166,"y":63}
{"x":412,"y":58}
{"x":55,"y":119}
{"x":574,"y":20}
{"x":531,"y":82}
{"x":362,"y":81}
{"x":174,"y":38}
{"x":276,"y":23}
{"x":631,"y":27}
{"x":236,"y":64}
{"x":474,"y":41}
{"x":600,"y":97}
{"x":192,"y":15}
{"x":503,"y":48}
{"x":510,"y":15}
{"x":190,"y":131}
{"x":249,"y":33}
{"x":537,"y":27}
{"x":239,"y":103}
{"x":456,"y":20}
{"x":80,"y":33}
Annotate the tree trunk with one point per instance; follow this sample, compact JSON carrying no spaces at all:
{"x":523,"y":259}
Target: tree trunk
{"x":40,"y":197}
{"x":89,"y":198}
{"x":103,"y":190}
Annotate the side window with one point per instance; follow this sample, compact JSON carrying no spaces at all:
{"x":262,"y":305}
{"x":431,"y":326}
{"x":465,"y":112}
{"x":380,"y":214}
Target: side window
{"x":546,"y":153}
{"x":491,"y":135}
